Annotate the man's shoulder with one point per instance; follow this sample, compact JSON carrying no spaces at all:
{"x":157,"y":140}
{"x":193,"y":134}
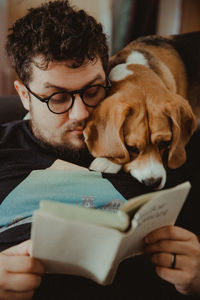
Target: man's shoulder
{"x":17,"y":135}
{"x":10,"y":129}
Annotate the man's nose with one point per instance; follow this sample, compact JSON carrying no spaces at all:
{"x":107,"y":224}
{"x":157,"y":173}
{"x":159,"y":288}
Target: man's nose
{"x":79,"y":110}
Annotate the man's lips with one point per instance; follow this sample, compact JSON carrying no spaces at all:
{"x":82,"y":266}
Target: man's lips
{"x":78,"y":130}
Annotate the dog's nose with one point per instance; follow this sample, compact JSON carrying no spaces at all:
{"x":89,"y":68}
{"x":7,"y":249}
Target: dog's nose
{"x":152,"y":182}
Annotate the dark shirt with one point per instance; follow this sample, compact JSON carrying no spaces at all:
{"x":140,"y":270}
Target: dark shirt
{"x":20,"y":153}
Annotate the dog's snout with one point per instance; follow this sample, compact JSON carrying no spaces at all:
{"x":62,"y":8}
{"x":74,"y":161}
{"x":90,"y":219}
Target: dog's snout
{"x":152,"y":182}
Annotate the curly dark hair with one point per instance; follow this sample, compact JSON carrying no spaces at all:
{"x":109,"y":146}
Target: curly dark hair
{"x":55,"y":31}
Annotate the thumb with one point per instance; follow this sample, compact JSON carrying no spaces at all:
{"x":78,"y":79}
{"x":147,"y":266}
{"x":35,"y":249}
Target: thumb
{"x":20,"y":249}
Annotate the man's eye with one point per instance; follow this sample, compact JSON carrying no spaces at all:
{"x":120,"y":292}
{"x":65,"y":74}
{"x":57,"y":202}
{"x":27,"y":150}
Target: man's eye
{"x":133,"y":149}
{"x":91,"y":92}
{"x":60,"y":98}
{"x":164,"y":145}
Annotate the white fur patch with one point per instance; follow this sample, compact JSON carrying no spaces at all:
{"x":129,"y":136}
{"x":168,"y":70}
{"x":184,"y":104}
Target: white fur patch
{"x":137,"y":58}
{"x":101,"y":164}
{"x":152,"y":169}
{"x":119,"y":72}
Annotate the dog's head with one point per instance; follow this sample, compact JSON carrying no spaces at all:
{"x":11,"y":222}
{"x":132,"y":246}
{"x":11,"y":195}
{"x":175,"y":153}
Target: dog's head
{"x":137,"y":125}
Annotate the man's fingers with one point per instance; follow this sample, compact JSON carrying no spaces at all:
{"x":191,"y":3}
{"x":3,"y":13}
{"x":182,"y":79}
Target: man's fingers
{"x":182,"y":289}
{"x":21,"y":282}
{"x":20,"y":274}
{"x":169,"y":233}
{"x":174,"y":276}
{"x":9,"y":295}
{"x":163,"y":260}
{"x":182,"y":262}
{"x":21,"y":264}
{"x":169,"y":246}
{"x":21,"y":249}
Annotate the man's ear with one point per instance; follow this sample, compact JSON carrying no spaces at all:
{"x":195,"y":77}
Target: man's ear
{"x":23,"y":93}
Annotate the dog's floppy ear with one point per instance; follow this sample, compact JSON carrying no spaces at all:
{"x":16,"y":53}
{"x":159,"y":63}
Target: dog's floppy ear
{"x":104,"y":131}
{"x":183,"y":125}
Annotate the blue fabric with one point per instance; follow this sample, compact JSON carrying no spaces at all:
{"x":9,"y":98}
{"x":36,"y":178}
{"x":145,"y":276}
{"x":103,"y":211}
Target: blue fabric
{"x":83,"y":188}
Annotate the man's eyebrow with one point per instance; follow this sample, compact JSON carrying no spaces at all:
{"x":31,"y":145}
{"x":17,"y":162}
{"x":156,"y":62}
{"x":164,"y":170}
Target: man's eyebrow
{"x":49,"y":85}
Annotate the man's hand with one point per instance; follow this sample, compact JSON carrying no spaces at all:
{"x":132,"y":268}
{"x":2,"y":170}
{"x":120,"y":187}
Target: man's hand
{"x":20,"y":274}
{"x":162,"y":244}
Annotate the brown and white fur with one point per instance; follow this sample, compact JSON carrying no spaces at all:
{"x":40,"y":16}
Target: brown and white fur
{"x":146,"y":114}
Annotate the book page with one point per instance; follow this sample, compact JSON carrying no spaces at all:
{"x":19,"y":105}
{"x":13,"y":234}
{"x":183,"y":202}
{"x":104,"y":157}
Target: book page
{"x":72,"y":245}
{"x":163,"y":209}
{"x":119,"y":220}
{"x":133,"y":204}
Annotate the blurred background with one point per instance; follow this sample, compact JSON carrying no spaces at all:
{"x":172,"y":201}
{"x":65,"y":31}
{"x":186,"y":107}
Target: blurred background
{"x":123,"y":21}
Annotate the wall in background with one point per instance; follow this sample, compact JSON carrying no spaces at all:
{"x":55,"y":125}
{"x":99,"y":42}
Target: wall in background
{"x":169,"y":17}
{"x":6,"y":83}
{"x":123,"y":21}
{"x":190,"y":20}
{"x":178,"y":16}
{"x":100,"y":9}
{"x":133,"y":19}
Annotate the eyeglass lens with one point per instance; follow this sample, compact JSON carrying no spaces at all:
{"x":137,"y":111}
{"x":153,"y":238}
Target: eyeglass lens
{"x":62,"y":101}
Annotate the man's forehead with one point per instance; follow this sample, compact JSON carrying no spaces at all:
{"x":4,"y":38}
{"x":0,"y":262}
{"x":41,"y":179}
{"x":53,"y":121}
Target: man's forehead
{"x":61,"y":75}
{"x":40,"y":63}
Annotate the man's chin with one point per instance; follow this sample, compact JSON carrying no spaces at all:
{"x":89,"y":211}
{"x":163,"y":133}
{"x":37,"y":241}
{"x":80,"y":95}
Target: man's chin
{"x":66,"y":144}
{"x":75,"y":146}
{"x":75,"y":142}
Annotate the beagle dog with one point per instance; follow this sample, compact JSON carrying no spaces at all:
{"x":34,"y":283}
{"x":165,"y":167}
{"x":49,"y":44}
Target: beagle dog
{"x":145,"y":122}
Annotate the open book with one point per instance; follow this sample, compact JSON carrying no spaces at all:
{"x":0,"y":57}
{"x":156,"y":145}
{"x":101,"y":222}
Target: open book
{"x":91,"y":243}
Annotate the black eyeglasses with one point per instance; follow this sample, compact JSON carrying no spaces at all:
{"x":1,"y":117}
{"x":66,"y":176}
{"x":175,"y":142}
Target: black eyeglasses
{"x":60,"y":102}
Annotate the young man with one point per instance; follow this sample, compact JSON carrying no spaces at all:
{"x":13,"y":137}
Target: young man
{"x":60,"y":55}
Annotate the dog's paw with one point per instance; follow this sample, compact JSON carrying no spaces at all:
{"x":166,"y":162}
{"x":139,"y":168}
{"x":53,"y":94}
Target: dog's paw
{"x":102,"y":164}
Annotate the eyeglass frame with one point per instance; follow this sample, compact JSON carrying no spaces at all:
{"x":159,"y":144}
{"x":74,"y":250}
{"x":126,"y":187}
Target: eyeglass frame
{"x":72,"y":93}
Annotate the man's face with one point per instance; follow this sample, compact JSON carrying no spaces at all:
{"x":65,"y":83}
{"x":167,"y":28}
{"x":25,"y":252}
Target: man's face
{"x":62,"y":131}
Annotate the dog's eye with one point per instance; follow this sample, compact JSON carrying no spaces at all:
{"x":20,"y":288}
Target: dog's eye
{"x":164,"y":145}
{"x":133,"y":149}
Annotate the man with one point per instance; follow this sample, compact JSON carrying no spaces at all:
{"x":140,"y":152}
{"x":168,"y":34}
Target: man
{"x":60,"y":55}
